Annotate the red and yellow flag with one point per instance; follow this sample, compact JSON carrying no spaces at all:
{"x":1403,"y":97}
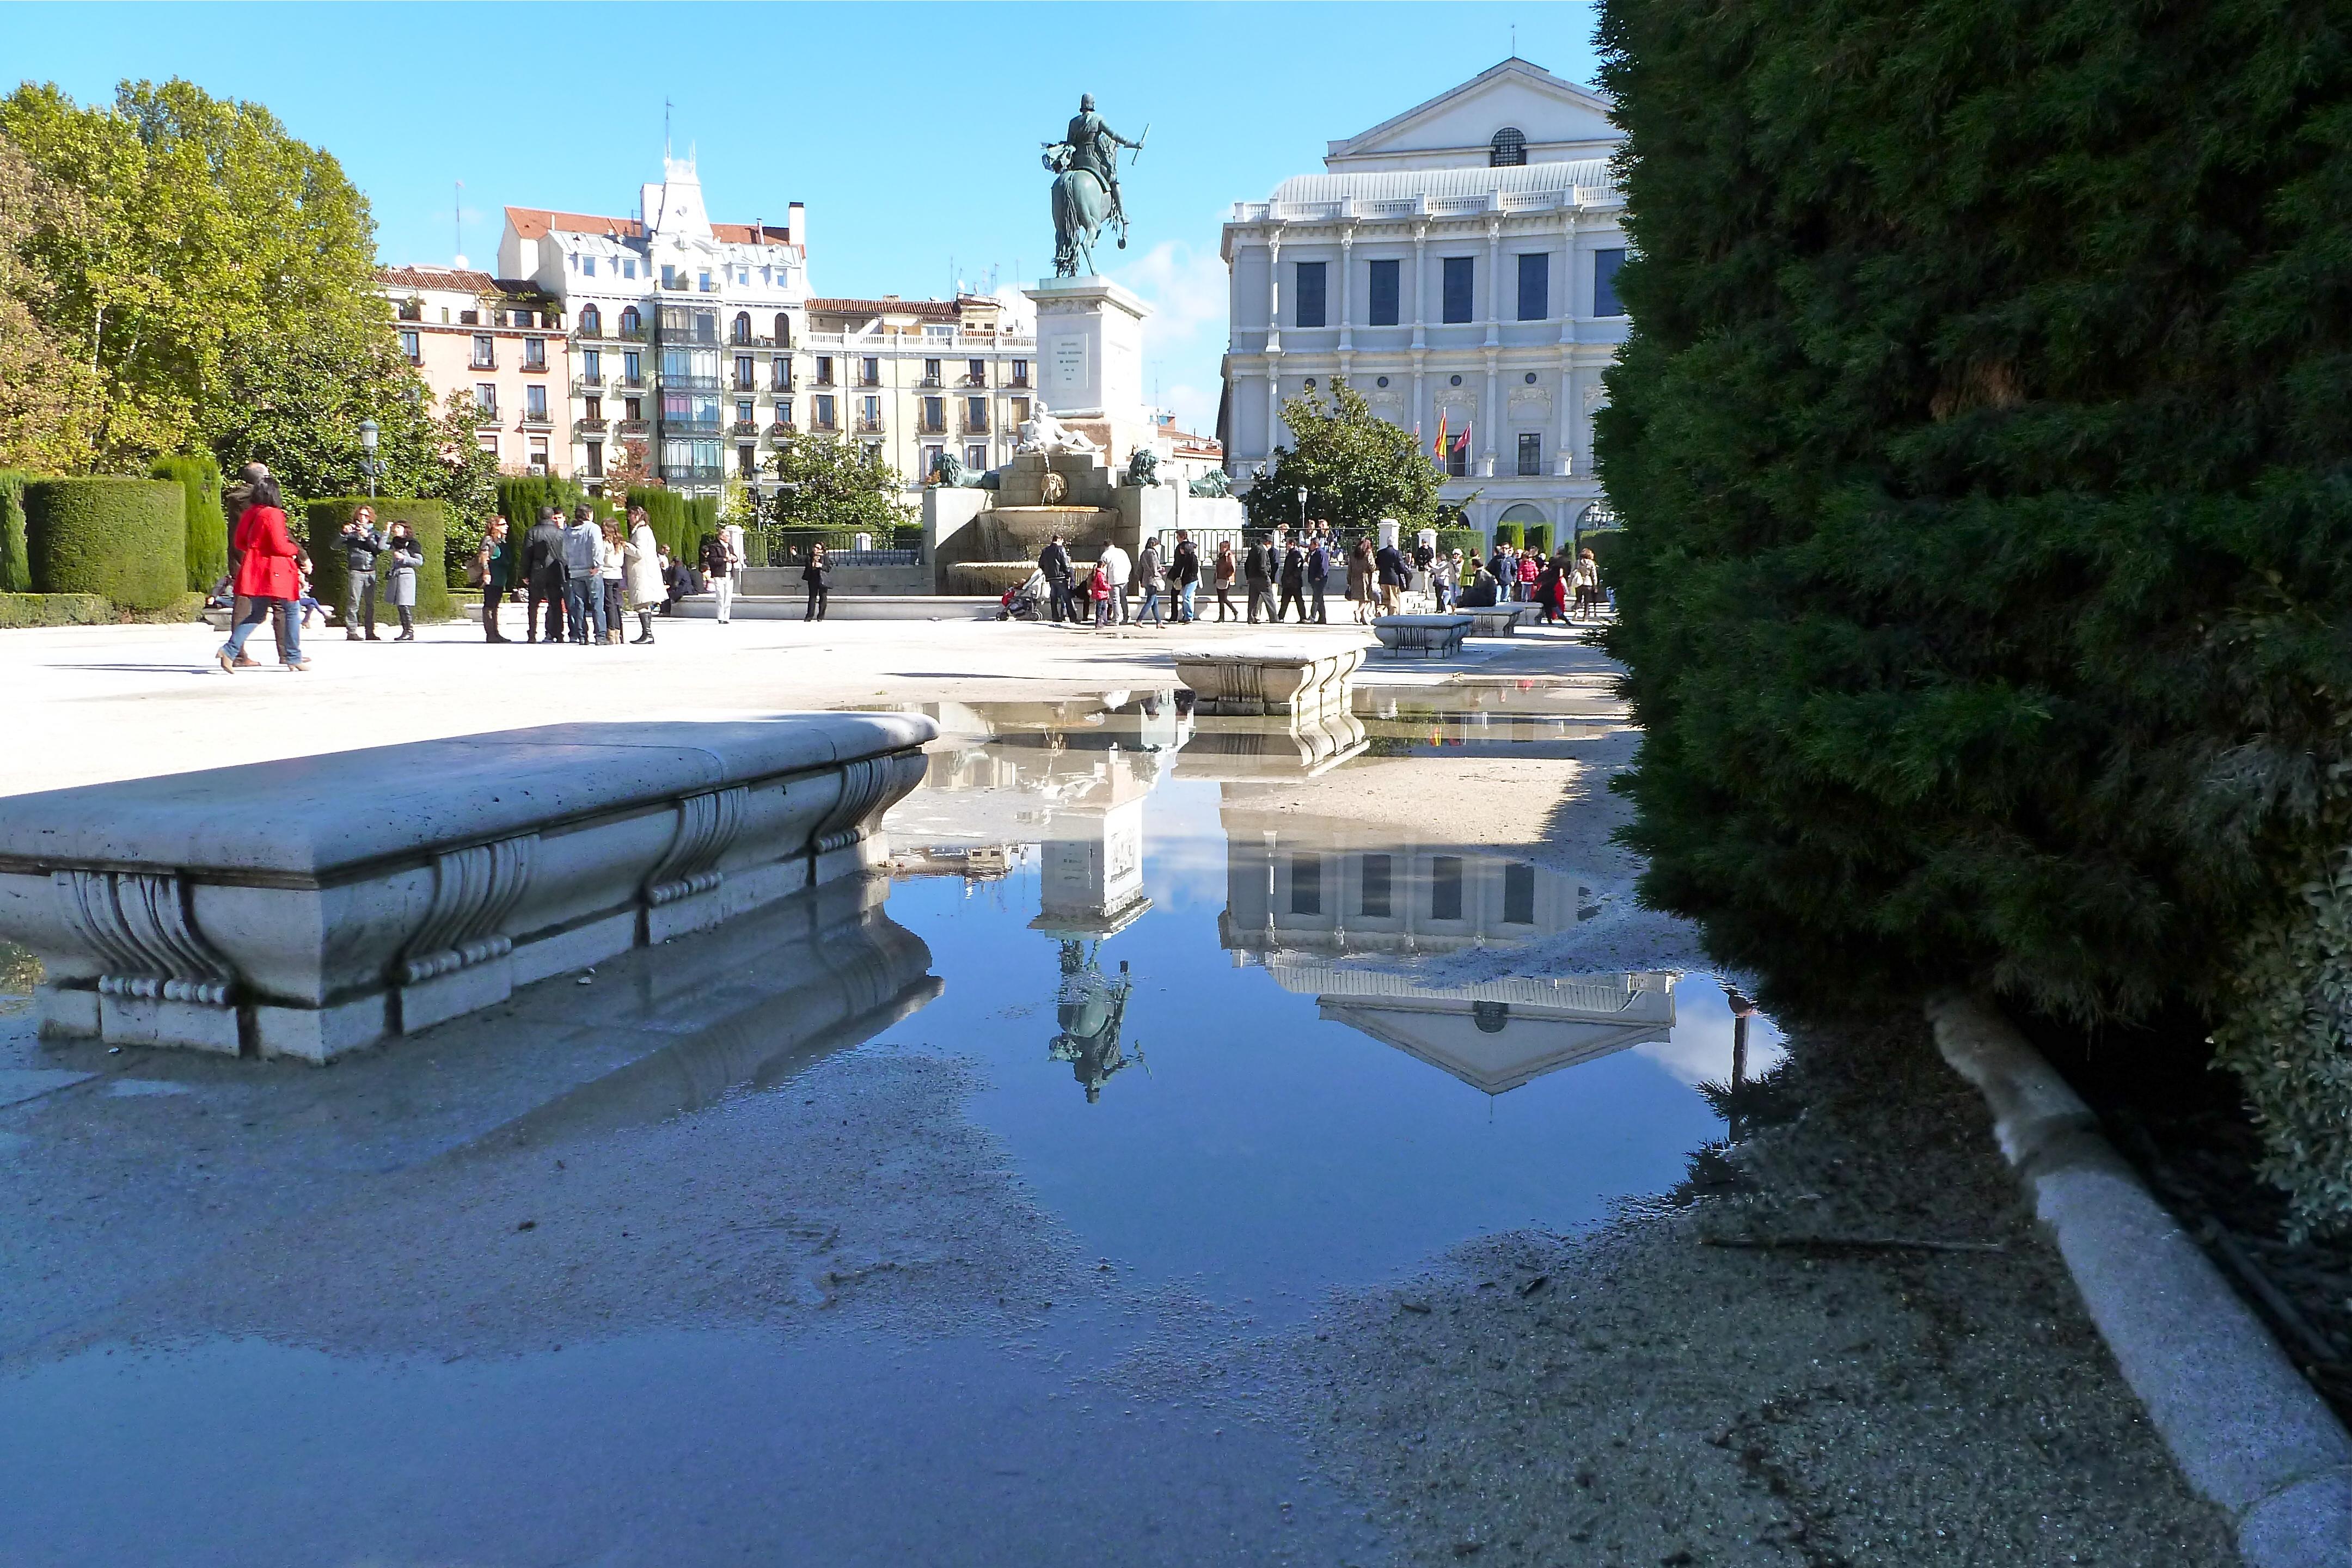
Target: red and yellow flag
{"x":1438,"y":451}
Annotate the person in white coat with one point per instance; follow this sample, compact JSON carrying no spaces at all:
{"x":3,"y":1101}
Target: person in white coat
{"x":1115,"y":567}
{"x":641,"y":562}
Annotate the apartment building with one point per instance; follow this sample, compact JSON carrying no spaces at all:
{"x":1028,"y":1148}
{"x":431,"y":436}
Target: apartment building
{"x":684,"y":332}
{"x":1456,"y":265}
{"x":910,"y":379}
{"x":501,"y":339}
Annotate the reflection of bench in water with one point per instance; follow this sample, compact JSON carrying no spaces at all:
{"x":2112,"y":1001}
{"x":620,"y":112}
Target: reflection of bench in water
{"x":311,"y":907}
{"x":1494,"y":1035}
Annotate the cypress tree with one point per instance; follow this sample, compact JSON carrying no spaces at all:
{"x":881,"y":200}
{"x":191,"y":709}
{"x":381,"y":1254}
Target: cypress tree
{"x":1981,"y":443}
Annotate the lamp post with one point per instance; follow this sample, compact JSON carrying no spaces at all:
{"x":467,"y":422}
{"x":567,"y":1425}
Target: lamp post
{"x":1302,"y":509}
{"x":368,"y":464}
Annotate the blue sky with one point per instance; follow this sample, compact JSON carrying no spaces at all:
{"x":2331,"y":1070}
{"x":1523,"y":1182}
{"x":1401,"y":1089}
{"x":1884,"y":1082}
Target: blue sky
{"x":910,"y":132}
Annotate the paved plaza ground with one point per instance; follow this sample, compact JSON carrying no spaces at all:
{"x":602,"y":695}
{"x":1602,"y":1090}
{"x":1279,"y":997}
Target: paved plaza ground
{"x":663,"y":1263}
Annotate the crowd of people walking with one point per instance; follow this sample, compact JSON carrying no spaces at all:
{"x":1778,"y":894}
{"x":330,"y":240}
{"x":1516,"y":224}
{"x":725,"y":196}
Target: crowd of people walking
{"x":1291,"y":575}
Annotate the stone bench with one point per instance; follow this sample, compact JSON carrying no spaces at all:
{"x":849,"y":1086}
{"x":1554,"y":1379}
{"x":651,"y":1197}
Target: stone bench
{"x":1497,"y":620}
{"x":311,"y":907}
{"x":1422,"y":637}
{"x":1271,"y":680}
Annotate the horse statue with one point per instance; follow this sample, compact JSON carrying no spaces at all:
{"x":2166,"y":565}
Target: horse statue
{"x":1082,"y":207}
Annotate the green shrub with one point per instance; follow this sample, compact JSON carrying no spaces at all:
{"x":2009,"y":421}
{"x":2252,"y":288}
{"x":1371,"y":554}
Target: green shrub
{"x":123,"y":539}
{"x":199,"y":479}
{"x":1468,"y":541}
{"x":701,"y":518}
{"x":1985,"y":589}
{"x":15,"y":567}
{"x":322,"y":526}
{"x":1603,"y":542}
{"x":666,"y":514}
{"x":55,"y":610}
{"x":1509,"y":533}
{"x":1539,"y":538}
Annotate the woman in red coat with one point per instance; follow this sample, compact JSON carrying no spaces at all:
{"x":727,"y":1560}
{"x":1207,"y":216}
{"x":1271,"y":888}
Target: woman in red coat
{"x":268,"y":574}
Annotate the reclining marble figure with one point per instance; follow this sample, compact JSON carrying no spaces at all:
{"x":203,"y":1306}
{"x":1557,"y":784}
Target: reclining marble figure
{"x":311,"y":907}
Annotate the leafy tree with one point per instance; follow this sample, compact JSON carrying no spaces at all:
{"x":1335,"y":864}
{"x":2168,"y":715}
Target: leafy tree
{"x":627,"y":466}
{"x":48,"y":399}
{"x":1355,"y":467}
{"x":830,"y":483}
{"x":1987,"y":574}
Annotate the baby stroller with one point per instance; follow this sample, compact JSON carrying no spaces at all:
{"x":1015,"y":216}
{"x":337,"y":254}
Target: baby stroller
{"x":1026,"y":602}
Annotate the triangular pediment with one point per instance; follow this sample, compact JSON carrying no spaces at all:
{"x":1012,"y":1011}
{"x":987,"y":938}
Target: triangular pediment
{"x":1560,"y":121}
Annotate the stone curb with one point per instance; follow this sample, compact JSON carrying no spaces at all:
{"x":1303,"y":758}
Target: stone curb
{"x":2244,"y":1427}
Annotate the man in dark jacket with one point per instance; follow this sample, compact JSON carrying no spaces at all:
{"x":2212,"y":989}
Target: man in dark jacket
{"x":362,"y":543}
{"x":498,"y":576}
{"x":1318,"y":568}
{"x":1257,"y":570}
{"x":1185,"y":573}
{"x":1054,"y":560}
{"x":1293,"y":580}
{"x":1393,"y":574}
{"x":544,"y":577}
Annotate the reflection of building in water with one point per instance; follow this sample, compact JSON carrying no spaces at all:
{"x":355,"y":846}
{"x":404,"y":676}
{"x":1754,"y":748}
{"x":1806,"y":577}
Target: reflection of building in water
{"x":1090,"y":869}
{"x":1493,"y":1035}
{"x":1246,"y":750}
{"x":1091,"y":1008}
{"x":972,"y":862}
{"x":1293,"y":882}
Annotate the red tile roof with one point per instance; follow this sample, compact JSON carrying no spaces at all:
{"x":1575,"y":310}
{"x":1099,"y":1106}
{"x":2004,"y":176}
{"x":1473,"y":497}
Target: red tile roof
{"x":436,"y":278}
{"x":533,"y":223}
{"x":935,"y":310}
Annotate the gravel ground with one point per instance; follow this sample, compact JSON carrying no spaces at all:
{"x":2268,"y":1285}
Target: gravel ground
{"x":1646,"y":1396}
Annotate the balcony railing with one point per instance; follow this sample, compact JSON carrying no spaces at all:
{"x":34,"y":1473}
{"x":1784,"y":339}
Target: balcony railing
{"x":869,"y":380}
{"x":535,"y":366}
{"x":822,"y":379}
{"x":588,"y":383}
{"x":538,"y":416}
{"x":975,"y":427}
{"x":635,"y":334}
{"x":974,"y":381}
{"x":745,"y":427}
{"x":690,"y":427}
{"x":827,"y":426}
{"x":747,"y":383}
{"x":869,"y":427}
{"x":629,"y":426}
{"x":485,"y":418}
{"x":787,"y":385}
{"x":411,"y":312}
{"x":923,"y":428}
{"x":754,"y":342}
{"x":1018,"y":381}
{"x":689,"y":383}
{"x":783,"y":427}
{"x":692,"y":473}
{"x":595,"y":423}
{"x":928,"y":381}
{"x":629,"y":380}
{"x":490,"y":363}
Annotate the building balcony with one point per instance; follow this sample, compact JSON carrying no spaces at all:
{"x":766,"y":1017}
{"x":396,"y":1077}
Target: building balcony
{"x":691,"y":473}
{"x":589,"y":426}
{"x":874,"y":381}
{"x":783,"y":427}
{"x":684,"y":427}
{"x":409,"y":313}
{"x":635,"y":334}
{"x":755,"y":341}
{"x":974,"y":428}
{"x":745,"y":383}
{"x":588,"y":384}
{"x":825,"y":426}
{"x":689,"y":383}
{"x":487,"y":420}
{"x":824,"y":381}
{"x":971,"y":381}
{"x":631,"y":382}
{"x":923,"y":428}
{"x":869,"y":427}
{"x":781,"y":388}
{"x":1019,"y":384}
{"x":531,"y":367}
{"x":542,"y":418}
{"x":928,"y":381}
{"x":744,"y":427}
{"x":482,"y":365}
{"x":629,"y":426}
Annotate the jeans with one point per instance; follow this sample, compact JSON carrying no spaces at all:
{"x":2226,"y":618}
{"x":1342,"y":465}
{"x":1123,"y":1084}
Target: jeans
{"x":1150,"y":611}
{"x":1057,"y":597}
{"x":359,"y":602}
{"x":583,"y":607}
{"x":723,"y":587}
{"x":289,"y":627}
{"x":1320,"y":615}
{"x":1184,"y":610}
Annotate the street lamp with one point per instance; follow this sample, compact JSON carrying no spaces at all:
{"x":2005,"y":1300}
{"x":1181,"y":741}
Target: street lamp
{"x":1302,"y":509}
{"x":368,"y":464}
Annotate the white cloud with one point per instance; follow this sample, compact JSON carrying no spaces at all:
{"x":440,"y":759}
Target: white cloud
{"x":1185,"y":336}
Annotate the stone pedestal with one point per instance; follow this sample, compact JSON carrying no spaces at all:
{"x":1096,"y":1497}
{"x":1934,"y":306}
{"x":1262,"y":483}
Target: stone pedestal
{"x":1090,"y":361}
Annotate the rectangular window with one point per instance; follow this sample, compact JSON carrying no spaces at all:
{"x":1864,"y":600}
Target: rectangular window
{"x":413,"y":345}
{"x":747,"y":461}
{"x":975,"y":414}
{"x":869,"y":371}
{"x":975,"y":457}
{"x":783,"y":410}
{"x":1381,"y":297}
{"x":825,"y":370}
{"x":931,"y":456}
{"x":745,"y":377}
{"x":1518,"y":895}
{"x":780,"y":375}
{"x":1020,"y":411}
{"x":485,"y":399}
{"x":870,"y":411}
{"x":1605,"y":264}
{"x":1445,"y":887}
{"x":594,"y":409}
{"x":976,"y":372}
{"x":1457,"y":460}
{"x":1376,"y":883}
{"x":534,"y":401}
{"x":486,"y":353}
{"x":1530,"y":453}
{"x":1309,"y":294}
{"x":1457,"y":290}
{"x":932,"y":371}
{"x":592,"y":364}
{"x":595,"y":459}
{"x":628,"y":267}
{"x":1307,"y":884}
{"x":632,"y":368}
{"x":708,"y":287}
{"x":1020,"y":372}
{"x":743,"y":412}
{"x":588,"y":267}
{"x":632,"y":408}
{"x":824,"y":411}
{"x":672,"y":278}
{"x":935,"y":412}
{"x":534,"y":353}
{"x":488,"y":444}
{"x":1535,"y":286}
{"x":538,"y":453}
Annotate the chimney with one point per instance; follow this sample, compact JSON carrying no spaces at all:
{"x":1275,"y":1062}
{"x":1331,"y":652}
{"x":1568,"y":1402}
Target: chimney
{"x":796,"y":224}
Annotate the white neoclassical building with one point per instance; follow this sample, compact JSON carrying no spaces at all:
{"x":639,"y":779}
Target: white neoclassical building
{"x":1456,"y":265}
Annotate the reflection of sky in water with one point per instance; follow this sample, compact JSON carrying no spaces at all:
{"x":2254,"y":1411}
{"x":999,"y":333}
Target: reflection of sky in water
{"x":1257,"y":1145}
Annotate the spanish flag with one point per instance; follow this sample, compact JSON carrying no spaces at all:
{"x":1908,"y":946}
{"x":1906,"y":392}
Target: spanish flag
{"x":1438,"y":451}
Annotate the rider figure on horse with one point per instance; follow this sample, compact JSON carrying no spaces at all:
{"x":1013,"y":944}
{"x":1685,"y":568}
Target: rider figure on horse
{"x":1093,"y":147}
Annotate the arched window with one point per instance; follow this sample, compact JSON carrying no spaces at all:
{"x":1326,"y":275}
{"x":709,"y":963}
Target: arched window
{"x":591,"y":323}
{"x":1510,"y":148}
{"x":631,"y":323}
{"x":743,"y":326}
{"x":783,"y":330}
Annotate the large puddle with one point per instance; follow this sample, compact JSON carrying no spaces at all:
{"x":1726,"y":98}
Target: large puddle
{"x":661,"y":1270}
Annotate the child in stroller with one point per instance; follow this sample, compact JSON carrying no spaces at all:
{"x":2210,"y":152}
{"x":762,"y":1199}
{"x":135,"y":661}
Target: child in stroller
{"x":1025,"y":603}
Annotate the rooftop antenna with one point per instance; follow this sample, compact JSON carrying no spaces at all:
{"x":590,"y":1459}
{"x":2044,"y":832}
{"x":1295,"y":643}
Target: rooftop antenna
{"x":664,"y":130}
{"x":457,"y":225}
{"x":1515,"y":40}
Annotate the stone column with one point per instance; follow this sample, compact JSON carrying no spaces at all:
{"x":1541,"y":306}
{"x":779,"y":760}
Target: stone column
{"x":1346,"y":271}
{"x":1567,"y":283}
{"x":1489,"y":415}
{"x":1420,"y":286}
{"x":1273,"y":294}
{"x":1493,"y":290}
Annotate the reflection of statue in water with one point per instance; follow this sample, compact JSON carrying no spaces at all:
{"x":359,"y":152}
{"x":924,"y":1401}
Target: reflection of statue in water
{"x":1090,"y":1008}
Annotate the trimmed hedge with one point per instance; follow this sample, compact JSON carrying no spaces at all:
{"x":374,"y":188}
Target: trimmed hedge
{"x":1509,"y":533}
{"x":1539,"y":538}
{"x":123,"y":539}
{"x":666,"y":514}
{"x":1469,"y":541}
{"x":322,"y":526}
{"x":55,"y":610}
{"x":1603,"y":542}
{"x":15,"y":567}
{"x":199,"y":477}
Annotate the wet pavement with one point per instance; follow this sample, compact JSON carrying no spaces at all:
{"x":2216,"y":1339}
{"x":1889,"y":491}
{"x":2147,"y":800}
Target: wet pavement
{"x":915,"y":1222}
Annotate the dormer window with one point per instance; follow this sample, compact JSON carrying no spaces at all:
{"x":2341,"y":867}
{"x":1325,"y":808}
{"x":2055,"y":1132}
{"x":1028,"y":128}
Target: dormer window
{"x":1508,"y":150}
